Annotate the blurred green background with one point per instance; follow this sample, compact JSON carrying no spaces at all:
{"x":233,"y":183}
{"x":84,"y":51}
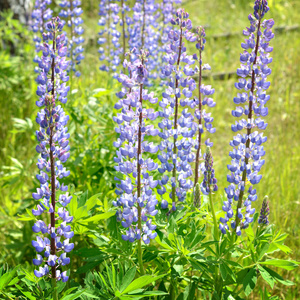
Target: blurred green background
{"x":92,"y":130}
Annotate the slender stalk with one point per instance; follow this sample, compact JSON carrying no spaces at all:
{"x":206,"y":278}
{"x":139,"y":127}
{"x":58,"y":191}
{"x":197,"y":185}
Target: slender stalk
{"x":143,"y":26}
{"x":176,"y":118}
{"x":172,"y":291}
{"x":200,"y":119}
{"x":43,"y":22}
{"x":54,"y":294}
{"x":213,"y":214}
{"x":52,"y":167}
{"x":108,"y":33}
{"x":140,"y":253}
{"x":71,"y":52}
{"x":123,"y":28}
{"x":239,"y":205}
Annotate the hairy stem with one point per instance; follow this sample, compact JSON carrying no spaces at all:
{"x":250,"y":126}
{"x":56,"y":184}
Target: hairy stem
{"x":200,"y":119}
{"x":176,"y":118}
{"x":143,"y":26}
{"x":54,"y":294}
{"x":213,"y":214}
{"x":123,"y":28}
{"x":140,"y":253}
{"x":52,"y":167}
{"x":71,"y":27}
{"x":244,"y":176}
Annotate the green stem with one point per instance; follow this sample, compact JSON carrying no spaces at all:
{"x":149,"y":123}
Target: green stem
{"x":54,"y":293}
{"x":172,"y":291}
{"x":214,"y":215}
{"x":219,"y":285}
{"x":140,"y":257}
{"x":140,"y":252}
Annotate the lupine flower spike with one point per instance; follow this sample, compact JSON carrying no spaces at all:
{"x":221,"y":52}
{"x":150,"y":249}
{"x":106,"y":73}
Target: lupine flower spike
{"x":40,"y":15}
{"x":72,"y":13}
{"x":54,"y":239}
{"x":264,"y":212}
{"x":204,"y":93}
{"x":113,"y":21}
{"x":209,"y":183}
{"x":247,"y":150}
{"x":144,"y":34}
{"x":177,"y":129}
{"x":197,"y":195}
{"x":136,"y":201}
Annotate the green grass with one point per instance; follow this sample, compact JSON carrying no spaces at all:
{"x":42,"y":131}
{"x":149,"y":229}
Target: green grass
{"x":92,"y":129}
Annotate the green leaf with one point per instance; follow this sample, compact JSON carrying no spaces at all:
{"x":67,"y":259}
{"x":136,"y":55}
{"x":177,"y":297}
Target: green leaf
{"x":82,"y":199}
{"x":280,"y":263}
{"x":141,"y":282}
{"x":223,"y":271}
{"x":97,"y":218}
{"x":249,"y":281}
{"x":277,"y":277}
{"x":150,"y":293}
{"x":266,"y":276}
{"x":6,"y":278}
{"x":73,"y":296}
{"x":129,"y":276}
{"x":91,"y":202}
{"x":283,"y":248}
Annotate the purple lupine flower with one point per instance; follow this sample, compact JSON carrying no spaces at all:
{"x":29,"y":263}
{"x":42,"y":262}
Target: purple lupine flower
{"x":112,"y":40}
{"x":204,"y":98}
{"x":177,"y":129}
{"x":168,"y":10}
{"x":209,"y":183}
{"x":40,"y":15}
{"x":54,"y":150}
{"x":72,"y":12}
{"x":136,"y":201}
{"x":197,"y":195}
{"x":144,"y":33}
{"x":247,"y":150}
{"x":264,"y":212}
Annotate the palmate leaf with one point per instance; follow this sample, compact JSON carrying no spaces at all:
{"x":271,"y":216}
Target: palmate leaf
{"x":277,"y":277}
{"x":141,"y":282}
{"x":6,"y":278}
{"x":129,"y":276}
{"x":73,"y":296}
{"x":281,"y":263}
{"x":266,"y":276}
{"x":249,"y":281}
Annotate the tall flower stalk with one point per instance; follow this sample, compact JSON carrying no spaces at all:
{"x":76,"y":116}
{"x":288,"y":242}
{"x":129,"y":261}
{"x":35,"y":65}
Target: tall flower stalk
{"x":144,"y":34}
{"x":247,"y":150}
{"x":40,"y":15}
{"x":136,"y":201}
{"x":72,"y":13}
{"x":204,"y":119}
{"x":177,"y":127}
{"x":112,"y":40}
{"x":54,"y":149}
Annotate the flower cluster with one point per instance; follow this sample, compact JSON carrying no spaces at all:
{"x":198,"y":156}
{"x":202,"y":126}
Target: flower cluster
{"x":112,"y":40}
{"x":144,"y":33}
{"x":209,"y":183}
{"x":167,"y":11}
{"x":136,"y":200}
{"x":71,"y":12}
{"x":247,"y":150}
{"x":40,"y":15}
{"x":54,"y":150}
{"x":204,"y":98}
{"x":177,"y":129}
{"x":264,"y":212}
